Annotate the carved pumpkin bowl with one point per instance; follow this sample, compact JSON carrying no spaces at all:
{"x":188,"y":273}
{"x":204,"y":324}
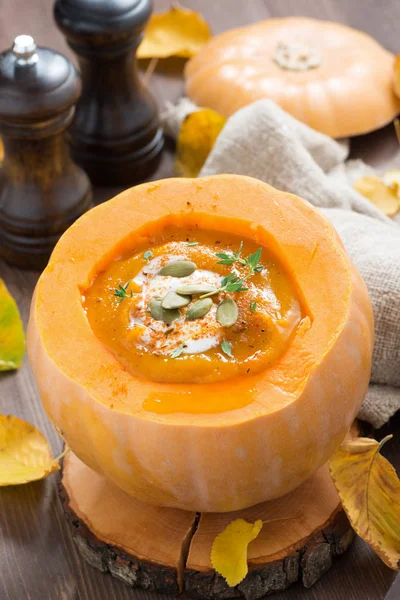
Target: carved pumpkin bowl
{"x":218,"y":402}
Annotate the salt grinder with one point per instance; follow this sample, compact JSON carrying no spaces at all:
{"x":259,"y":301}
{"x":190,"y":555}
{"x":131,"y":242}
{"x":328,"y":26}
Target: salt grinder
{"x":116,"y":135}
{"x":41,"y":190}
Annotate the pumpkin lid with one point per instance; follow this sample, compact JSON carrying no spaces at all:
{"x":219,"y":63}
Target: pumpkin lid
{"x":335,"y":79}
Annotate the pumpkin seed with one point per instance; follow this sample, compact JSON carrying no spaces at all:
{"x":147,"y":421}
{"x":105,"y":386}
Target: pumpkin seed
{"x":179,"y":268}
{"x":198,"y":309}
{"x":174,"y":300}
{"x":162,"y":314}
{"x":195,"y":289}
{"x":227,"y":313}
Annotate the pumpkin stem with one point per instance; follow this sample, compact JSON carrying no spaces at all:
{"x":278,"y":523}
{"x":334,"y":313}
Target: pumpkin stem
{"x":297,"y":57}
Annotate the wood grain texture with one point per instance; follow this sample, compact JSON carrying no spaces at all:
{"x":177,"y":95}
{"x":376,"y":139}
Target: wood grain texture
{"x":141,"y":544}
{"x":299,"y":548}
{"x":167,"y":549}
{"x":38,"y":560}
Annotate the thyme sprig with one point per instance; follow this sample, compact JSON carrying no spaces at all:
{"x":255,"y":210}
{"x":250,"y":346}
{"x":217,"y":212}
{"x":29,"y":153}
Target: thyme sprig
{"x":252,"y":261}
{"x":232,"y":282}
{"x":121,"y":292}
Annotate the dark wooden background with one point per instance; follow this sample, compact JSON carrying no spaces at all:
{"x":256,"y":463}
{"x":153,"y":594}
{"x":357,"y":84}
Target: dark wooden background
{"x":38,"y":560}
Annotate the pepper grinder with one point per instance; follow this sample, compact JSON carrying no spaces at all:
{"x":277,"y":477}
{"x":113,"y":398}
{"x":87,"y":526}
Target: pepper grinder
{"x":116,"y":135}
{"x":42,"y":191}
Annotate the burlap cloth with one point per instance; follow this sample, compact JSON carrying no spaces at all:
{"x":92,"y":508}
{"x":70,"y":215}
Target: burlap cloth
{"x":263,"y":141}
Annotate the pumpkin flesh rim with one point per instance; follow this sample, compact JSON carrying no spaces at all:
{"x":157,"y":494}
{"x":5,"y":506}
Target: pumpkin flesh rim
{"x":67,"y":274}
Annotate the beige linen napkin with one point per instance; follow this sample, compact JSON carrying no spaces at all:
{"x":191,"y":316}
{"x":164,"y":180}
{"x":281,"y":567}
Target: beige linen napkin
{"x":263,"y":141}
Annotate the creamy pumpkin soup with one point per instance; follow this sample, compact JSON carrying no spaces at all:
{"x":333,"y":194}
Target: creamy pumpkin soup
{"x":195,"y":306}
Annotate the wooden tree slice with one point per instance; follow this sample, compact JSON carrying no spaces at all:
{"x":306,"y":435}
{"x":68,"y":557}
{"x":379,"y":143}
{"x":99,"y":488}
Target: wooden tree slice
{"x":301,"y":534}
{"x":168,"y":550}
{"x":141,"y":544}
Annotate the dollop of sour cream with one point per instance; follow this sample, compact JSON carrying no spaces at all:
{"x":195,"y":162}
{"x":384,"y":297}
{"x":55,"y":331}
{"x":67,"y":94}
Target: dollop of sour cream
{"x":197,"y":336}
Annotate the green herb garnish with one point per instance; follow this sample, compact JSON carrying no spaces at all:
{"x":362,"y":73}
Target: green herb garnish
{"x":253,"y":306}
{"x":147,"y":255}
{"x":252,"y":261}
{"x":229,"y":259}
{"x":121,"y":292}
{"x":192,"y":243}
{"x":178,"y":351}
{"x":232,"y":282}
{"x":227,"y":348}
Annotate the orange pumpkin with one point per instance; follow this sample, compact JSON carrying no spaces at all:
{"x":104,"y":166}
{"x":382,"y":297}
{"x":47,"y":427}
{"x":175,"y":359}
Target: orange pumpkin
{"x":335,"y":79}
{"x":216,"y":446}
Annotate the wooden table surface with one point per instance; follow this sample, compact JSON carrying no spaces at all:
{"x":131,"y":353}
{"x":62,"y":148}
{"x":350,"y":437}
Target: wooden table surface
{"x":38,"y":560}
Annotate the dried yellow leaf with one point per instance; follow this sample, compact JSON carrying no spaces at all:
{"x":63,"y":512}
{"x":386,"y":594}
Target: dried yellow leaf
{"x":370,"y":493}
{"x":396,"y":81}
{"x":196,"y":138}
{"x":24,"y":453}
{"x":383,"y":196}
{"x":391,"y":178}
{"x":229,"y":550}
{"x":177,"y":32}
{"x":12,"y":337}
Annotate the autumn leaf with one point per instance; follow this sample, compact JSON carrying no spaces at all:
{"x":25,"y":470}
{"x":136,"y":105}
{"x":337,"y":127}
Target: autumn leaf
{"x":385,"y":196}
{"x":370,"y":493}
{"x":24,"y":453}
{"x":392,"y":179}
{"x":196,"y":138}
{"x":229,"y":550}
{"x":177,"y":32}
{"x":12,"y":337}
{"x":396,"y":82}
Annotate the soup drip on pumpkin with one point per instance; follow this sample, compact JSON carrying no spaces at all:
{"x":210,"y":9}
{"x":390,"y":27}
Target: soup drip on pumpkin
{"x":194,"y":306}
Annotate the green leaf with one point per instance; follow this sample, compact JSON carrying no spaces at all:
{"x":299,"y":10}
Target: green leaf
{"x":253,"y":306}
{"x":12,"y":337}
{"x":225,"y":259}
{"x":192,"y":243}
{"x":227,"y":348}
{"x":147,"y":255}
{"x":254,"y":259}
{"x":236,"y":287}
{"x":228,"y":279}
